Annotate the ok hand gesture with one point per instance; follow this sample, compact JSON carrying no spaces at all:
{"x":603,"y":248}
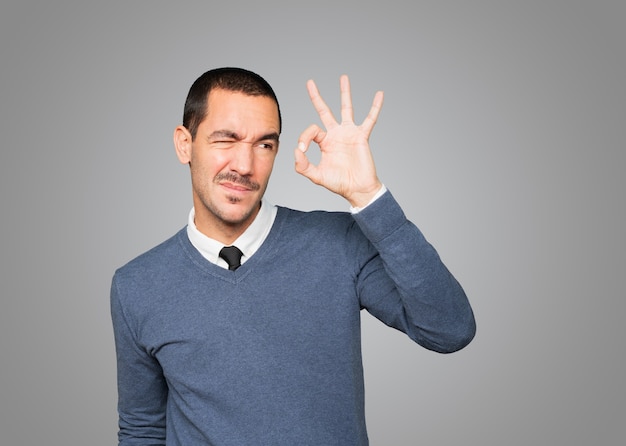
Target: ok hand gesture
{"x":346,"y":166}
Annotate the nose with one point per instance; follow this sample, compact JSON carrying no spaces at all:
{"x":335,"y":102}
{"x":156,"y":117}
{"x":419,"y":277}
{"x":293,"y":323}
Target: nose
{"x":242,"y":160}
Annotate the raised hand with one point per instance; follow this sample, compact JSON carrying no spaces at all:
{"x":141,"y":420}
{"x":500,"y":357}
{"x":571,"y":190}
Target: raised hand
{"x":346,"y":165}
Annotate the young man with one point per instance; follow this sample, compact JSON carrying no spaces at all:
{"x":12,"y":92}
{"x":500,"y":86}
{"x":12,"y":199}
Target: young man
{"x":259,"y":343}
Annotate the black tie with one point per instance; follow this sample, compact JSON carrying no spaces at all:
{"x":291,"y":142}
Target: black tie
{"x":232,"y":255}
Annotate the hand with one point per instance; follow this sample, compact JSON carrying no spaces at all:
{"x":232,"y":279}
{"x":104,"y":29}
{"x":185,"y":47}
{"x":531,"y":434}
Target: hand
{"x":346,"y":165}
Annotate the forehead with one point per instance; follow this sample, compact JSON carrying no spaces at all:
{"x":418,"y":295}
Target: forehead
{"x":238,"y":111}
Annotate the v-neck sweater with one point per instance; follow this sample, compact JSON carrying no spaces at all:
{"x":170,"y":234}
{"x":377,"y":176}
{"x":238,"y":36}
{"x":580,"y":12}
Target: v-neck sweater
{"x":271,"y":353}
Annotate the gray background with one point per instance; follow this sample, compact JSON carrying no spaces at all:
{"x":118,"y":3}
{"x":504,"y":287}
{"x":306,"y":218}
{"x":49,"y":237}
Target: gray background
{"x":502,"y":136}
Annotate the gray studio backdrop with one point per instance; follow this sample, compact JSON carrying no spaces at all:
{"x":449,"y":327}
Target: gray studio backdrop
{"x":502,"y":135}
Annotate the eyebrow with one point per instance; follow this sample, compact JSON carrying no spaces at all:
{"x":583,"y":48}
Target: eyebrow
{"x":271,"y":136}
{"x":230,"y":134}
{"x":224,"y":134}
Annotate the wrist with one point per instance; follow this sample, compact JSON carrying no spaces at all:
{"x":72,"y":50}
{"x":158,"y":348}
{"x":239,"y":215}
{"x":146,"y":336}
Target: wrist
{"x":361,"y":200}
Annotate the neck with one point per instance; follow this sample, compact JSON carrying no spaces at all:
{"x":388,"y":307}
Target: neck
{"x":220,"y":229}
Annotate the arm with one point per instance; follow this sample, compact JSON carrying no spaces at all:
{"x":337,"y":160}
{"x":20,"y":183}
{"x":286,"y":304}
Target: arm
{"x":404,"y":284}
{"x":142,"y":391}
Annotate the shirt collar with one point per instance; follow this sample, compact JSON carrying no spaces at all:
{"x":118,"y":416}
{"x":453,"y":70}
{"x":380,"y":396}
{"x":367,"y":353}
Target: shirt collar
{"x":248,"y":242}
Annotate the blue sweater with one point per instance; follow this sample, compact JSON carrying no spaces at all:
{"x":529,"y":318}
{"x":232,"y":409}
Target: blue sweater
{"x":270,"y":354}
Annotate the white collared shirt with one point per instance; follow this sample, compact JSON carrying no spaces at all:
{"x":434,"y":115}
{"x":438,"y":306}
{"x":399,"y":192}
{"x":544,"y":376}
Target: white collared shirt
{"x":252,"y":238}
{"x":248,"y":242}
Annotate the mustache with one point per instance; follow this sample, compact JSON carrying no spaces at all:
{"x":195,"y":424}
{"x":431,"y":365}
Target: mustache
{"x":235,"y":178}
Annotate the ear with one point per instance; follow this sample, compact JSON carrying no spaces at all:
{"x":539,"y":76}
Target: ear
{"x":182,"y":144}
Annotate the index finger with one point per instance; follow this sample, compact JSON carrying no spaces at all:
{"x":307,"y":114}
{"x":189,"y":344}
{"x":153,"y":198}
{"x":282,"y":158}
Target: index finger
{"x":324,"y":112}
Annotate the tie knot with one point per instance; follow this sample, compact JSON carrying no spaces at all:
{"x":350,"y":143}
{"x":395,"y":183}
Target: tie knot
{"x":232,"y":255}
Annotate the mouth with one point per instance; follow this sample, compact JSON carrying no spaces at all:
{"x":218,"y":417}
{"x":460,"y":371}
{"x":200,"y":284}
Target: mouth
{"x":235,"y":187}
{"x":236,"y":183}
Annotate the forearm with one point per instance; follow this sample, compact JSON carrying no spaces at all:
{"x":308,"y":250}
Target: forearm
{"x":407,"y":285}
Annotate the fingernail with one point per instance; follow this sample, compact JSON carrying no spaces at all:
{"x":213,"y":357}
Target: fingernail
{"x":301,"y":146}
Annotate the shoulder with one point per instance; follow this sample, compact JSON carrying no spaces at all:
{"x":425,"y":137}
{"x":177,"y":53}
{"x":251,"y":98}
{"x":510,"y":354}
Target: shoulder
{"x":320,"y":230}
{"x":315,"y":218}
{"x":154,"y":261}
{"x":315,"y":223}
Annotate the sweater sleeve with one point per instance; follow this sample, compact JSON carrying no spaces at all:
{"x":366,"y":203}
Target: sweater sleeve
{"x":142,"y":391}
{"x":404,"y":283}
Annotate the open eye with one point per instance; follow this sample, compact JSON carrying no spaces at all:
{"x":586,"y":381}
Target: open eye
{"x":266,"y":145}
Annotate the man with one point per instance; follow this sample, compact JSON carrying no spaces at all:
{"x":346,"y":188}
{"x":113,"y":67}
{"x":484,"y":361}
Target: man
{"x":260,"y":344}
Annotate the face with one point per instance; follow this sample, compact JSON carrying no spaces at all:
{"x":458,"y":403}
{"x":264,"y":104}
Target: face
{"x":231,"y":159}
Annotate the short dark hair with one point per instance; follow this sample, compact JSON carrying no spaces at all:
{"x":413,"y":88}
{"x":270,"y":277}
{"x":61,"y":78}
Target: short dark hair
{"x":227,"y":78}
